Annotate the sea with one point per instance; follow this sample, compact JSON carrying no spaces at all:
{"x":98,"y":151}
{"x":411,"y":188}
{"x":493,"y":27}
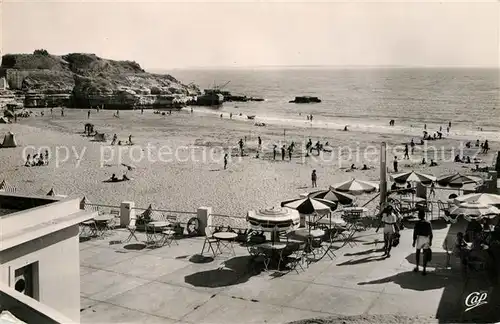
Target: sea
{"x":365,"y":99}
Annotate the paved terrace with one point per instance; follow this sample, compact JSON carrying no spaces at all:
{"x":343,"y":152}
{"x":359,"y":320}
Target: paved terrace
{"x":120,"y":283}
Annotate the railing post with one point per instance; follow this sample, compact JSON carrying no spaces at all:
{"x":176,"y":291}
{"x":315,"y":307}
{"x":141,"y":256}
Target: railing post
{"x":127,"y":212}
{"x":204,"y":218}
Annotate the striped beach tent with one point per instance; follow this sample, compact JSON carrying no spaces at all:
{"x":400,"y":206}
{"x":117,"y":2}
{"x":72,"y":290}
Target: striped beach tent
{"x":7,"y":187}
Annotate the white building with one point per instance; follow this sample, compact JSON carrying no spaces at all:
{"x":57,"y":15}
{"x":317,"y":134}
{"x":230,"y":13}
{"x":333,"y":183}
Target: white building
{"x":39,"y":258}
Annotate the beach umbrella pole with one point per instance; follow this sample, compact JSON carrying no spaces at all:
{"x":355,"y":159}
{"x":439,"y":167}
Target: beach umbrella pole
{"x":383,"y":174}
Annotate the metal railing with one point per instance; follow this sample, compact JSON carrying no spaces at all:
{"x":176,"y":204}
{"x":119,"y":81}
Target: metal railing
{"x":178,"y":216}
{"x":233,"y":221}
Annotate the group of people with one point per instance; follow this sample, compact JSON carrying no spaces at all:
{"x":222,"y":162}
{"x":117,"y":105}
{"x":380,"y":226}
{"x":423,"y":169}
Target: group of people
{"x":37,"y":160}
{"x":422,"y":236}
{"x":115,"y":139}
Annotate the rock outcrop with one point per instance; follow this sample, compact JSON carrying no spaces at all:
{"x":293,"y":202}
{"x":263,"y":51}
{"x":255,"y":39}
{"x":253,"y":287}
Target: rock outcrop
{"x":86,"y":80}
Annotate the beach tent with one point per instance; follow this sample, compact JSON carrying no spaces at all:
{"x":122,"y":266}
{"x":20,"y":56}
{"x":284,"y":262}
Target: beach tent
{"x":4,"y":120}
{"x":101,"y":137}
{"x":51,"y":192}
{"x":9,"y":140}
{"x":7,"y":187}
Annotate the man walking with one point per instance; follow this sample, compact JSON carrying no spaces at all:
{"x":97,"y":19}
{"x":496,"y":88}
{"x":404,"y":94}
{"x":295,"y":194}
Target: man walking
{"x":283,"y":153}
{"x":225,"y":161}
{"x":395,"y":164}
{"x":314,"y":177}
{"x":274,"y":152}
{"x":422,"y":240}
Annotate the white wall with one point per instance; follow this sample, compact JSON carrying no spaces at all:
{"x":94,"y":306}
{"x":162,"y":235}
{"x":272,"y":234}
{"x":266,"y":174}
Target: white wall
{"x":58,"y":269}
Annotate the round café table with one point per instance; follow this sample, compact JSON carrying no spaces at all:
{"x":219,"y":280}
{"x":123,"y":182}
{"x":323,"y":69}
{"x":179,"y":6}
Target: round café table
{"x":272,"y":251}
{"x":225,"y":240}
{"x":102,"y":223}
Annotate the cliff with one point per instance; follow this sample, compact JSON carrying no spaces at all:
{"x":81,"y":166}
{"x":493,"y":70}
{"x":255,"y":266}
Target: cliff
{"x":86,"y":80}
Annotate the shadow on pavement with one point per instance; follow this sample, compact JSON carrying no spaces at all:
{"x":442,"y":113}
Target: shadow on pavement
{"x":415,"y":281}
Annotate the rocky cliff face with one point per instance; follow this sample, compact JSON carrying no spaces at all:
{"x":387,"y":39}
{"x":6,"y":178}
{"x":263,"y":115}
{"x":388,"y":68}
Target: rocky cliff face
{"x":86,"y":80}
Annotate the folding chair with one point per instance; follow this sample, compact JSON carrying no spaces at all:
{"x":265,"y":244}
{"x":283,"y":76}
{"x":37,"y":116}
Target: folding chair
{"x":169,"y":237}
{"x":115,"y":222}
{"x":298,"y":256}
{"x":89,"y":227}
{"x":209,"y":241}
{"x":131,"y":228}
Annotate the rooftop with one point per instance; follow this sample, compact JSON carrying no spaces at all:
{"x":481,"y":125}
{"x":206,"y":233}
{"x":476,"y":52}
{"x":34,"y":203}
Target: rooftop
{"x":130,"y":283}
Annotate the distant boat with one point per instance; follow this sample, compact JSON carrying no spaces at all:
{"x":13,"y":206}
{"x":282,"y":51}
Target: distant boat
{"x":251,"y":117}
{"x":305,"y":99}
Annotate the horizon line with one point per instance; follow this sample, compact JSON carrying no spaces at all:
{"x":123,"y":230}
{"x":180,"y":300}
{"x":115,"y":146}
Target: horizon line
{"x":317,"y":66}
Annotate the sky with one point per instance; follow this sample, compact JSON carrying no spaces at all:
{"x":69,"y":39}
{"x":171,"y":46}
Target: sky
{"x":163,"y":34}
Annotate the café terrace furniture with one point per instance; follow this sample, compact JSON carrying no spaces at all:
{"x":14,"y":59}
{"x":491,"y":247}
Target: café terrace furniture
{"x":131,"y":227}
{"x":211,"y":242}
{"x":154,"y":232}
{"x":226,"y":241}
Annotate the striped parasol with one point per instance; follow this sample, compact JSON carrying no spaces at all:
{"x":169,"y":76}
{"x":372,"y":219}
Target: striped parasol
{"x":482,"y":198}
{"x":413,"y":177}
{"x":356,"y":186}
{"x":456,"y":180}
{"x":333,"y":195}
{"x":310,"y":205}
{"x":273,"y":219}
{"x":473,"y":211}
{"x":7,"y":187}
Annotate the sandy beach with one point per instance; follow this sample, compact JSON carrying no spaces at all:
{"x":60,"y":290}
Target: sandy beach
{"x":192,"y":174}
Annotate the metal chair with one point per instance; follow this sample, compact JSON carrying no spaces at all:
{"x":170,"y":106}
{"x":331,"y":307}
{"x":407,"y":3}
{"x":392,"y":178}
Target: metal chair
{"x":210,"y":241}
{"x":131,"y":227}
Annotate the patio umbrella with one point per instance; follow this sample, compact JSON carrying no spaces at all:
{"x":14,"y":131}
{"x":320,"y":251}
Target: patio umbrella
{"x":482,"y":198}
{"x":274,"y":218}
{"x":456,"y":180}
{"x":310,"y":205}
{"x":471,"y":211}
{"x":355,"y":186}
{"x":333,"y":195}
{"x":413,"y":177}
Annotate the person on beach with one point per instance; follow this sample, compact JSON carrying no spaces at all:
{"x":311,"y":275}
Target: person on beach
{"x":260,"y":143}
{"x":117,"y":113}
{"x":274,"y":151}
{"x":406,"y":156}
{"x":142,"y":110}
{"x":191,"y":109}
{"x":62,"y":112}
{"x":433,"y":190}
{"x":311,"y":117}
{"x":314,"y":177}
{"x":88,"y":114}
{"x":113,"y":141}
{"x":230,"y":115}
{"x":225,"y":161}
{"x":51,"y":111}
{"x":486,"y":147}
{"x":307,"y":117}
{"x":290,"y":151}
{"x":447,"y":130}
{"x":412,"y":144}
{"x":389,"y":220}
{"x":28,"y":160}
{"x":283,"y":153}
{"x":113,"y":177}
{"x":433,"y":163}
{"x":240,"y":143}
{"x":425,"y":126}
{"x":422,"y":240}
{"x":130,"y":139}
{"x":449,"y":125}
{"x":395,"y":164}
{"x":220,"y":116}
